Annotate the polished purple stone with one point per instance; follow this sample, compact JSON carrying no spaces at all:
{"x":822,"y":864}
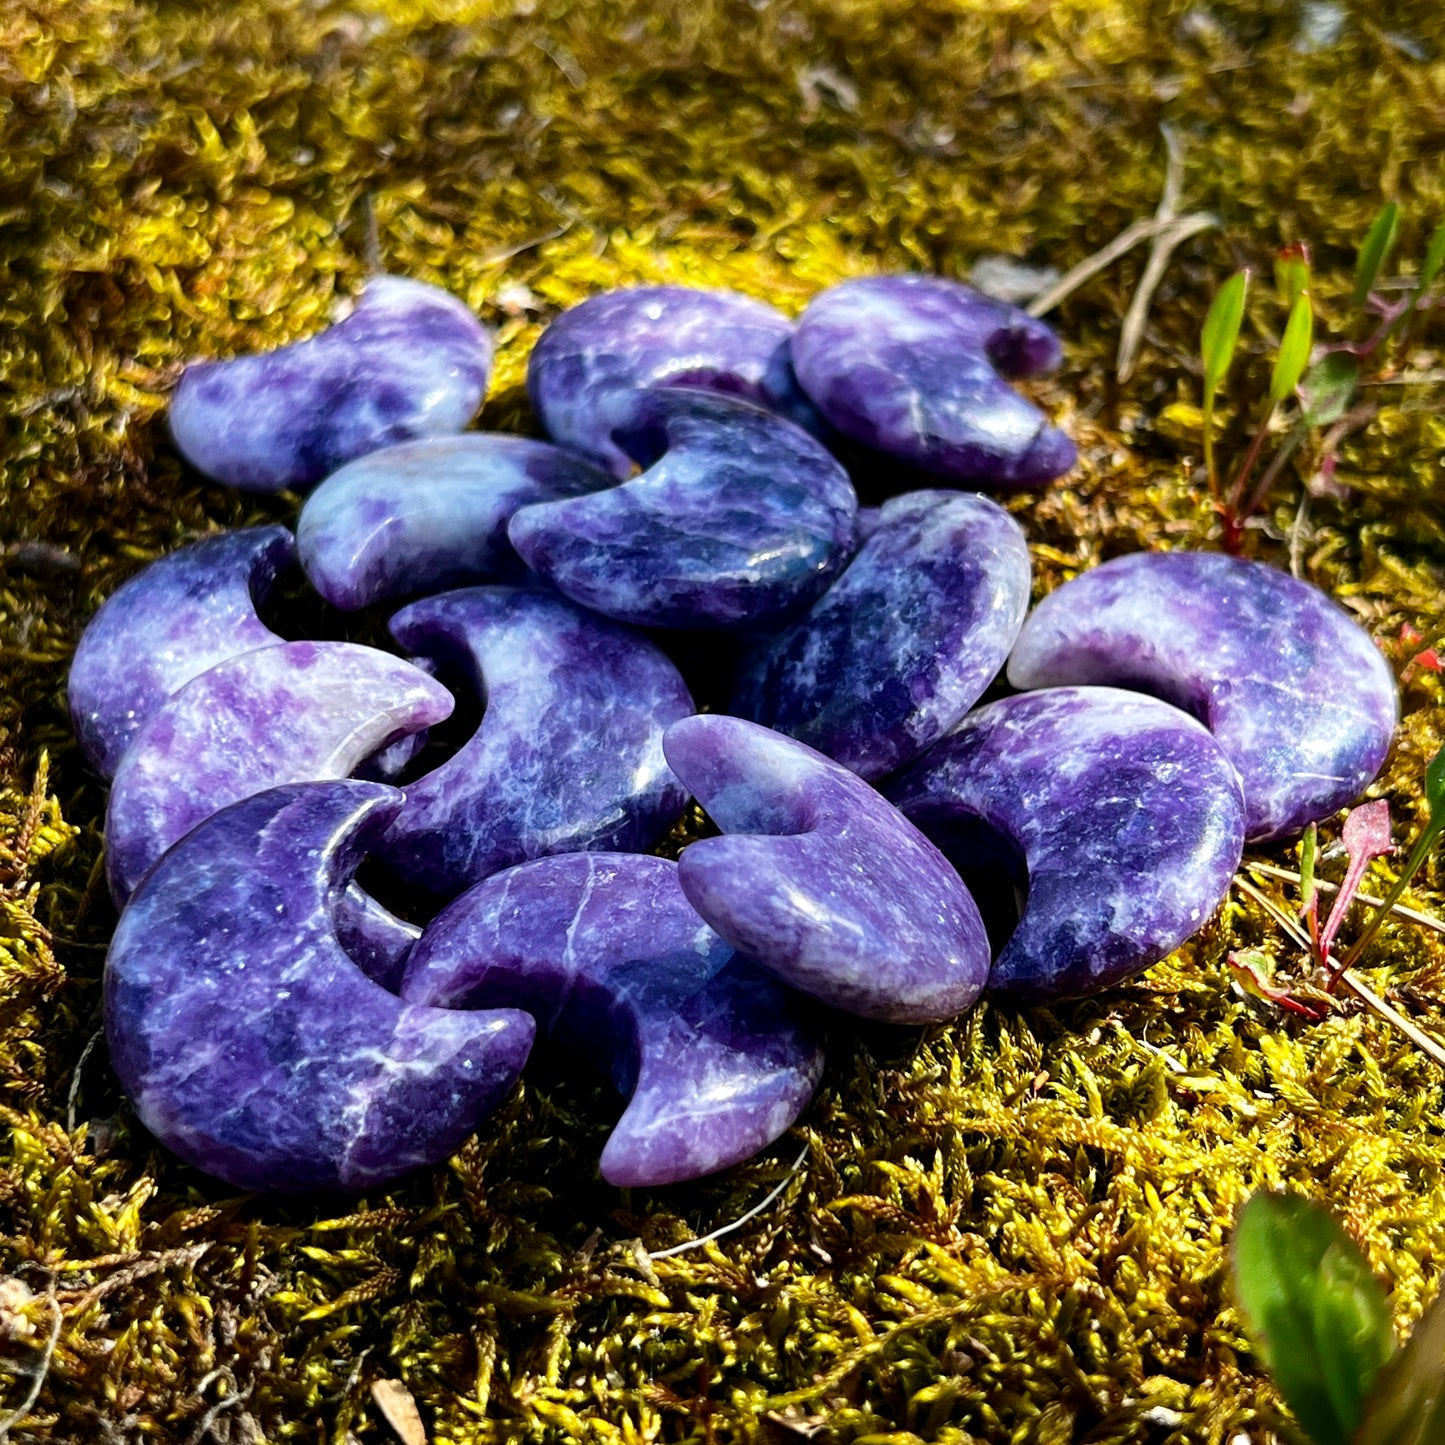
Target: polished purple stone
{"x":378,"y":942}
{"x":739,"y":519}
{"x":914,"y":367}
{"x":822,"y":881}
{"x":1121,"y":816}
{"x":296,"y":712}
{"x":905,"y":641}
{"x":715,"y":1058}
{"x":1292,"y":688}
{"x":592,"y":356}
{"x":429,"y":515}
{"x":249,"y":1042}
{"x":172,"y":621}
{"x":569,"y":752}
{"x":409,"y":361}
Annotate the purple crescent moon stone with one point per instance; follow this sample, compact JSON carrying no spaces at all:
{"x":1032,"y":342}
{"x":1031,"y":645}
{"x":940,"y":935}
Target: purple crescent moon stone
{"x":905,"y":641}
{"x":1124,"y":814}
{"x":297,"y":712}
{"x":378,"y":941}
{"x":592,"y":356}
{"x":914,"y":367}
{"x":569,"y":752}
{"x":739,"y":519}
{"x":602,"y":949}
{"x":822,"y":881}
{"x":430,"y":515}
{"x":251,"y":1044}
{"x":172,"y":621}
{"x":1292,"y":688}
{"x":409,"y":361}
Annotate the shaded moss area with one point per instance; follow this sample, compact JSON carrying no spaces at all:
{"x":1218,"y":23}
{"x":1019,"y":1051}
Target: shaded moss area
{"x":1012,"y":1229}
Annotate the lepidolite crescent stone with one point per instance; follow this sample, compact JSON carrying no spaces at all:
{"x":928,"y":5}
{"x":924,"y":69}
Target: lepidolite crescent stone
{"x":569,"y":752}
{"x":409,"y":361}
{"x":172,"y":621}
{"x":740,"y":519}
{"x":821,"y":880}
{"x":430,"y":515}
{"x":905,"y":641}
{"x":593,"y":355}
{"x":914,"y":367}
{"x":251,"y":1044}
{"x":1125,"y":816}
{"x":296,"y":712}
{"x":714,"y":1056}
{"x":1293,"y":689}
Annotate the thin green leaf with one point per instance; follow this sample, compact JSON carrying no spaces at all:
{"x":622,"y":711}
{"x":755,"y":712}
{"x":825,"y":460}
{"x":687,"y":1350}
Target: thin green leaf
{"x":1309,"y":849}
{"x":1317,"y":1315}
{"x":1375,"y":250}
{"x":1220,"y":337}
{"x":1435,"y":788}
{"x":1434,"y":259}
{"x":1328,"y":388}
{"x":1291,"y":273}
{"x":1407,"y":1405}
{"x":1294,"y":349}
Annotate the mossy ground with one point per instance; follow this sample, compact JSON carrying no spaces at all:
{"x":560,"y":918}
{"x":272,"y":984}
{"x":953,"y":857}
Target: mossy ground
{"x":1011,"y":1229}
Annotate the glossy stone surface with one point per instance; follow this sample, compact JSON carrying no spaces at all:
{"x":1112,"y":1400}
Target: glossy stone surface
{"x":822,"y":881}
{"x":377,"y":941}
{"x":251,"y":1044}
{"x":594,"y":355}
{"x":1292,"y":688}
{"x":713,"y":1055}
{"x":569,"y":752}
{"x":296,"y":712}
{"x":905,"y":641}
{"x":172,"y":621}
{"x":1125,"y":815}
{"x":739,"y":519}
{"x":430,"y":515}
{"x":914,"y":367}
{"x":409,"y":361}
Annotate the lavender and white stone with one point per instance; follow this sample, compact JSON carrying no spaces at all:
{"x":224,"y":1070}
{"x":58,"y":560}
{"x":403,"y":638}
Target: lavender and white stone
{"x":377,"y":941}
{"x":739,"y":519}
{"x":296,"y":712}
{"x":905,"y":641}
{"x":1120,"y":817}
{"x":914,"y":366}
{"x":715,"y":1057}
{"x":822,"y":881}
{"x":251,"y":1044}
{"x":594,"y":355}
{"x":409,"y":361}
{"x":569,"y":752}
{"x":430,"y":515}
{"x":1293,"y":689}
{"x":172,"y":621}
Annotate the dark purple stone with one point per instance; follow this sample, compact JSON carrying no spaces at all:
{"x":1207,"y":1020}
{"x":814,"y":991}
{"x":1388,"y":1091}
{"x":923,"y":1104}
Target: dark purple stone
{"x":714,"y":1056}
{"x":592,"y":356}
{"x":822,"y":881}
{"x":914,"y":367}
{"x":1293,"y":689}
{"x":739,"y":519}
{"x":172,"y":621}
{"x":409,"y":361}
{"x":569,"y":752}
{"x":249,"y":1042}
{"x":1123,"y":813}
{"x":378,"y":942}
{"x":905,"y":641}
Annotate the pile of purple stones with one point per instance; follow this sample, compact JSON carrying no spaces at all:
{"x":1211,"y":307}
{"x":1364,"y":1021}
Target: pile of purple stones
{"x":278,"y":1027}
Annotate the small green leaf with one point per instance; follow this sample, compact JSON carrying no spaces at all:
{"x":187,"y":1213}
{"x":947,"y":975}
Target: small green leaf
{"x":1407,"y":1405}
{"x":1435,"y":788}
{"x":1434,"y":259}
{"x":1375,"y":251}
{"x":1292,"y":273}
{"x":1309,"y":849}
{"x":1294,"y":349}
{"x":1221,"y":332}
{"x":1315,"y":1312}
{"x":1328,"y":388}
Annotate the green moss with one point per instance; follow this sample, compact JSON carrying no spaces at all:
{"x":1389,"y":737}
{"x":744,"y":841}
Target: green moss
{"x":1013,"y":1229}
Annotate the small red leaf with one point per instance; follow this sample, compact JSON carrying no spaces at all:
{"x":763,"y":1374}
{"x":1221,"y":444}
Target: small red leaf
{"x":1366,"y":837}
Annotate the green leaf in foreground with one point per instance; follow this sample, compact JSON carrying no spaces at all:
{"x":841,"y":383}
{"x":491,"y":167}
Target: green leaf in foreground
{"x":1375,"y":250}
{"x":1315,"y":1312}
{"x":1328,"y":387}
{"x":1408,"y":1403}
{"x":1434,"y":259}
{"x":1435,"y":788}
{"x":1294,"y":349}
{"x":1221,"y":333}
{"x":1292,"y":273}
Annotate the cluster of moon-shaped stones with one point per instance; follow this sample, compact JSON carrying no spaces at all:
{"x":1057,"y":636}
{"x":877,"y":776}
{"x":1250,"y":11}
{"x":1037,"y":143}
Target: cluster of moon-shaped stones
{"x":278,"y":1027}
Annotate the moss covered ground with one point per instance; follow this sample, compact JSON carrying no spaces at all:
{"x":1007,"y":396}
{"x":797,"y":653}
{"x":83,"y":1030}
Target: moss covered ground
{"x":1010,"y":1229}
